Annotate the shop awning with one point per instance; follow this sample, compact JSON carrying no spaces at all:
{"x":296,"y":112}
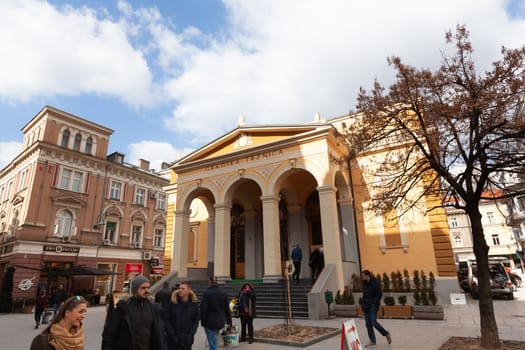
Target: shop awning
{"x":79,"y":270}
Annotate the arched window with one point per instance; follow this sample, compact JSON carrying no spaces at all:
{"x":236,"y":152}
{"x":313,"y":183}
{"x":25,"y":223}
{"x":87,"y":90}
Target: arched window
{"x":458,"y":241}
{"x":65,"y":138}
{"x":76,"y":145}
{"x":89,"y":145}
{"x":64,"y":221}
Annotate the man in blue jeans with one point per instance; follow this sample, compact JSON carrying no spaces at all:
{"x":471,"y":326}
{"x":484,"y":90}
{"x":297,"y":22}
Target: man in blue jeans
{"x":215,"y":311}
{"x":370,"y":303}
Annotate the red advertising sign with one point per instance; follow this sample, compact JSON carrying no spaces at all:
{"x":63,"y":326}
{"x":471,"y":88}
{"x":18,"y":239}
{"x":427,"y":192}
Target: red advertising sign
{"x":137,"y":268}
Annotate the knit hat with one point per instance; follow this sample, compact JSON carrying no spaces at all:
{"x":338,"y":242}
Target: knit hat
{"x":137,"y":282}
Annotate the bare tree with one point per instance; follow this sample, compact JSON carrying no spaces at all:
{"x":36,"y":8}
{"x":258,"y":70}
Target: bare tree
{"x":451,"y":134}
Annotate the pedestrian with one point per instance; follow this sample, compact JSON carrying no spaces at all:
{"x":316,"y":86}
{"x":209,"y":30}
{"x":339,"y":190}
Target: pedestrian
{"x":316,"y":262}
{"x":163,"y":296}
{"x":247,"y":311}
{"x":40,"y":306}
{"x":297,"y":256}
{"x":370,"y":303}
{"x":65,"y":332}
{"x":136,"y":322}
{"x":181,"y":317}
{"x":215,"y":312}
{"x":60,"y":297}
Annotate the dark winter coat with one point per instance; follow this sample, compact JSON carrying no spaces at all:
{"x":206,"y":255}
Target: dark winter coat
{"x":247,"y":304}
{"x":371,"y":294}
{"x":181,"y":319}
{"x":41,"y":342}
{"x":119,"y":332}
{"x":215,"y":309}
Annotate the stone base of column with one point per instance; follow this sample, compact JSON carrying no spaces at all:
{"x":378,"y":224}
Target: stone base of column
{"x":272,"y":278}
{"x":223,"y":279}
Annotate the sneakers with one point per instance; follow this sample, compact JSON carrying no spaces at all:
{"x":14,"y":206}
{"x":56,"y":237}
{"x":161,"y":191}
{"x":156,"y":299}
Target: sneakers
{"x":388,"y":338}
{"x":370,"y":345}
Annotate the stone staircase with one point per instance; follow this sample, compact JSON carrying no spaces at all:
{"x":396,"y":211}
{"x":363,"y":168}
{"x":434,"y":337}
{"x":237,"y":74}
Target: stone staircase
{"x":272,"y":298}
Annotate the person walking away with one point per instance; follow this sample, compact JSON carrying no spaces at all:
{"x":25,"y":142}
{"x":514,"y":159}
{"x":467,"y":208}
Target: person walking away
{"x":297,"y":256}
{"x":247,"y":311}
{"x":181,"y":317}
{"x":163,"y":296}
{"x":40,"y":307}
{"x":136,"y":323}
{"x":60,"y":297}
{"x":66,"y":331}
{"x":215,"y":311}
{"x":370,"y":303}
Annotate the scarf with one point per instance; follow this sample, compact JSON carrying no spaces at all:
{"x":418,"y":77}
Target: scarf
{"x":62,"y":339}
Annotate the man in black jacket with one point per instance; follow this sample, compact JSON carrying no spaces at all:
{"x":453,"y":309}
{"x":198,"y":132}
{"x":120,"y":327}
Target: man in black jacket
{"x":136,"y":323}
{"x":215,"y":311}
{"x":181,"y":317}
{"x":370,"y":303}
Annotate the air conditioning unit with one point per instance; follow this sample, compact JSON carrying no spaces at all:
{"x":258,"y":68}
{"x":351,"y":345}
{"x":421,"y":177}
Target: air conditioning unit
{"x":136,"y":244}
{"x":146,"y":255}
{"x":66,"y":239}
{"x":106,"y":241}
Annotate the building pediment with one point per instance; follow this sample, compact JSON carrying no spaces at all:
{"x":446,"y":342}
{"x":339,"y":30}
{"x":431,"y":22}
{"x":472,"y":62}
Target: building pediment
{"x":69,"y":201}
{"x":244,"y":139}
{"x":17,"y":199}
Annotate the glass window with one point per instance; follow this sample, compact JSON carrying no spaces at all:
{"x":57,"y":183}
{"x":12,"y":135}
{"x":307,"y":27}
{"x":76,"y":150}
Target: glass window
{"x":89,"y":145}
{"x":458,"y":241}
{"x":110,"y":231}
{"x":65,"y":138}
{"x":495,"y":239}
{"x":161,"y":201}
{"x":71,"y":180}
{"x":76,"y":144}
{"x":453,"y":222}
{"x":140,"y":194}
{"x":136,"y":235}
{"x":63,"y":225}
{"x":158,"y":238}
{"x":490,"y":217}
{"x":115,"y":190}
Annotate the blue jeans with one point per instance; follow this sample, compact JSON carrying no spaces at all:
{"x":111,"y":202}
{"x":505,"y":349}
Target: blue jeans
{"x":212,"y":337}
{"x":371,"y":323}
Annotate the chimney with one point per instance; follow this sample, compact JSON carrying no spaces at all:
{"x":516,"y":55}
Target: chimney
{"x":144,"y":164}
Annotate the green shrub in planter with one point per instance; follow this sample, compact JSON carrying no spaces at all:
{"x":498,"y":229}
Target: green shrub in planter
{"x":402,"y":299}
{"x":390,"y":300}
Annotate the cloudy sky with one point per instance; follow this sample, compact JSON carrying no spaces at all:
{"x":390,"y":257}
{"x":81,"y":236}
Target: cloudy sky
{"x":169,"y":76}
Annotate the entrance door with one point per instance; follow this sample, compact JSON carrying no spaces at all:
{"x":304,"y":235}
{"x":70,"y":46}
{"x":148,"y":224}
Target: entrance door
{"x":237,"y":252}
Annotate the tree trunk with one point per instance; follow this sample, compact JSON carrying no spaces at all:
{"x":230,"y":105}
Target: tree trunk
{"x":489,"y":329}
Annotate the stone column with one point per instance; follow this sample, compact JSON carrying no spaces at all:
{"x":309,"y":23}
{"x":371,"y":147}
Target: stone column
{"x":272,"y":248}
{"x":222,"y":242}
{"x":330,"y":227}
{"x":180,"y":243}
{"x":211,"y":245}
{"x":349,"y":234}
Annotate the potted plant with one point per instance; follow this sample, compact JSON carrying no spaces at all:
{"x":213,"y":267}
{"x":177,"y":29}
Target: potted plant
{"x":426,"y":306}
{"x":344,"y":304}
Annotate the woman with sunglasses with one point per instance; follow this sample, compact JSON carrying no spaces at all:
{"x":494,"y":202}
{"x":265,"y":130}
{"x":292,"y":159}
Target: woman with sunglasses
{"x":65,"y":331}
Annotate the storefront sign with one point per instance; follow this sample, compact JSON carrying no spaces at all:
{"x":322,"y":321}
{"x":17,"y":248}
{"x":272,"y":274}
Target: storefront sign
{"x":157,"y":270}
{"x":61,"y":249}
{"x":135,"y":268}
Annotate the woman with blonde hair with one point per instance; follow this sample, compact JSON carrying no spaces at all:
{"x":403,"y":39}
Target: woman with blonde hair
{"x":65,"y":331}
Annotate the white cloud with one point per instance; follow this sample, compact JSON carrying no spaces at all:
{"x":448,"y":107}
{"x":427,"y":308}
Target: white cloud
{"x":48,"y":51}
{"x":154,"y":152}
{"x":8,"y":151}
{"x":284,"y":61}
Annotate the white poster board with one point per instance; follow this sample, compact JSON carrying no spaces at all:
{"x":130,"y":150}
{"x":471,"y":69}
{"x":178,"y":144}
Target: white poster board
{"x":349,"y":338}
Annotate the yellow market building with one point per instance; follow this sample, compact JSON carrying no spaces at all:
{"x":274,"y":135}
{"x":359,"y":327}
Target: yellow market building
{"x":237,"y":206}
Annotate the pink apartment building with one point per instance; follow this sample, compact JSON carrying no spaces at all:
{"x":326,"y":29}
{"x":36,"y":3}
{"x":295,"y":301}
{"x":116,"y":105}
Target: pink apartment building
{"x":71,"y":214}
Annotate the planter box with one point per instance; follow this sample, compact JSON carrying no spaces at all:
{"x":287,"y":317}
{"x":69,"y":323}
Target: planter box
{"x":341,"y":310}
{"x":361,"y":314}
{"x":397,"y":311}
{"x":428,"y":312}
